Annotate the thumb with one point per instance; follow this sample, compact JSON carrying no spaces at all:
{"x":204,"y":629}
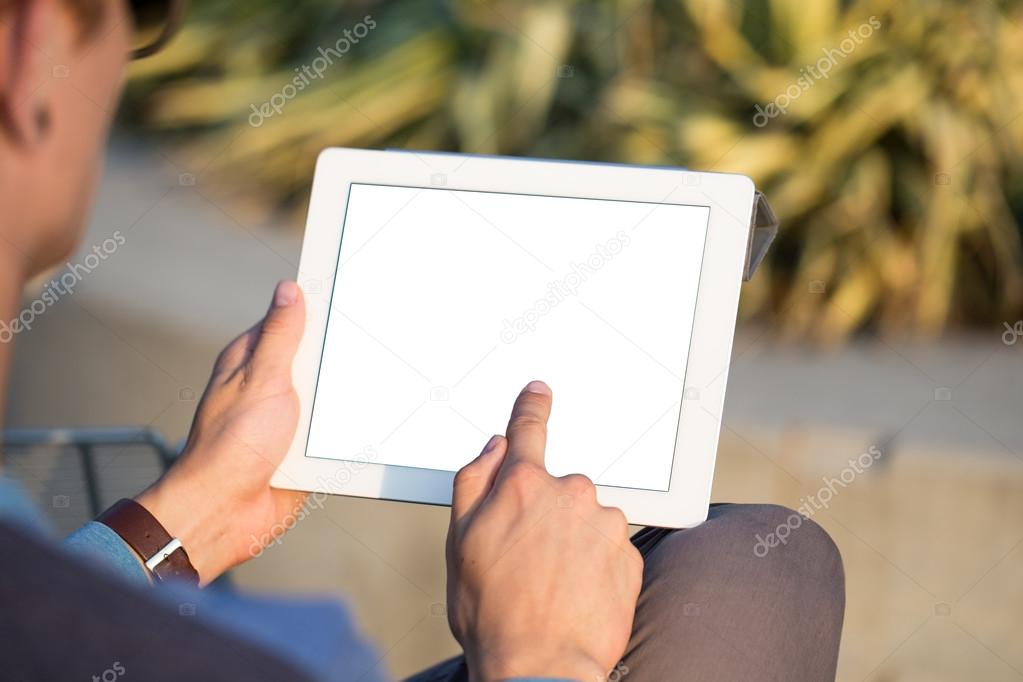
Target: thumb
{"x":280,"y":332}
{"x":475,"y":479}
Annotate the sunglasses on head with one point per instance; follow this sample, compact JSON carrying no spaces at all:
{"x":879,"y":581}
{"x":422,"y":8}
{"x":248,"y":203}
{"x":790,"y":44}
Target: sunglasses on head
{"x":156,"y":22}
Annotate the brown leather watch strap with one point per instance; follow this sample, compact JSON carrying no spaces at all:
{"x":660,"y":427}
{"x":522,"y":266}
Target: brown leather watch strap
{"x":163,"y":555}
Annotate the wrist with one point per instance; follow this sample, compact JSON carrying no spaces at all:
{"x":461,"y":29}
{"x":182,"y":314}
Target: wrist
{"x":189,"y":515}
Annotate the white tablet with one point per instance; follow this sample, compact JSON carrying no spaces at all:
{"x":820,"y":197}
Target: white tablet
{"x":438,"y":285}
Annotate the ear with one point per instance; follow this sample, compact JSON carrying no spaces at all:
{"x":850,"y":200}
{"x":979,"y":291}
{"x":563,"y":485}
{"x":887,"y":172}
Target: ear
{"x":24,"y":69}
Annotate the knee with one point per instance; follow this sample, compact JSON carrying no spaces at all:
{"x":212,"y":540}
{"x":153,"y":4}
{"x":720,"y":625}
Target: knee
{"x":759,"y":544}
{"x":790,"y":544}
{"x":715,"y":578}
{"x":774,"y":527}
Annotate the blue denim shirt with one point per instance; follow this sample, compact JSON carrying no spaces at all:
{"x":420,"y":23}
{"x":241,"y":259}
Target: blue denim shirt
{"x":317,"y":636}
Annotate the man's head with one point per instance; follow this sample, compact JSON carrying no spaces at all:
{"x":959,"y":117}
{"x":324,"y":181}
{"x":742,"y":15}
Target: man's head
{"x":61,"y":65}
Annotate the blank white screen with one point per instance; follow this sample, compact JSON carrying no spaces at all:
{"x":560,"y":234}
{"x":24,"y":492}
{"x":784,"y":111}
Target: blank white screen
{"x":448,"y":302}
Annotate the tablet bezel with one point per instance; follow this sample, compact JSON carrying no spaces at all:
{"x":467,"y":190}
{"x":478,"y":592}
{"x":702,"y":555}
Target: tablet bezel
{"x":730,"y":198}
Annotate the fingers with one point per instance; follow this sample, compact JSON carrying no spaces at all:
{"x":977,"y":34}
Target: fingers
{"x":236,"y":353}
{"x":612,"y":524}
{"x":474,"y":481}
{"x":280,"y":333}
{"x":527,"y":428}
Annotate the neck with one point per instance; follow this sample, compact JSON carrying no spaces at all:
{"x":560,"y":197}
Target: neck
{"x":12,"y":279}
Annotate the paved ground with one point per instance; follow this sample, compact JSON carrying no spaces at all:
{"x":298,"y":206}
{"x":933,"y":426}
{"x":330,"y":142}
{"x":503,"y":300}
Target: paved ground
{"x":931,"y":531}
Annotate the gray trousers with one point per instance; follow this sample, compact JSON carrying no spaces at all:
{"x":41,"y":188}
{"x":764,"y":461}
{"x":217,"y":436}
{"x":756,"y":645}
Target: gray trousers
{"x":751,"y":594}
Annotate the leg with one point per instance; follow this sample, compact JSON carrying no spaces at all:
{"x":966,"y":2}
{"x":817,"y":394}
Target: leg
{"x":717,"y":606}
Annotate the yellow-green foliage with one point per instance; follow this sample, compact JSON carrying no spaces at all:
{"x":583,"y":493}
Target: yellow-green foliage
{"x":896,"y":176}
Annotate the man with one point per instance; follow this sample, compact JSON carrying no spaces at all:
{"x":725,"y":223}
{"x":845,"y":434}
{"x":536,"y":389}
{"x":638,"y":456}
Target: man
{"x":535,"y":590}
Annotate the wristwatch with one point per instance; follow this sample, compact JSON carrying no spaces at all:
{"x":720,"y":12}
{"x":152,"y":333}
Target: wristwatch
{"x":163,"y":555}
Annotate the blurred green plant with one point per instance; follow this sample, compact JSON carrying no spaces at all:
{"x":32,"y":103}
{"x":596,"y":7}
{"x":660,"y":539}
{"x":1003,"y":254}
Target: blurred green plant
{"x":896,"y":174}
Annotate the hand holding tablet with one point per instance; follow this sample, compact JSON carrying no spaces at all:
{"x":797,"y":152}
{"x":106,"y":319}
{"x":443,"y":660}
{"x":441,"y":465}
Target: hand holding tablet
{"x":438,"y":285}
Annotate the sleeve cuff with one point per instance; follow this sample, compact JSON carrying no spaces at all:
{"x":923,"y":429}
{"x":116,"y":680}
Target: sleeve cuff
{"x":98,"y":544}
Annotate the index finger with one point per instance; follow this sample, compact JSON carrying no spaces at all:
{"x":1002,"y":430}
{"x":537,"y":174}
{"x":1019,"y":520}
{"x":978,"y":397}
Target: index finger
{"x":527,"y":428}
